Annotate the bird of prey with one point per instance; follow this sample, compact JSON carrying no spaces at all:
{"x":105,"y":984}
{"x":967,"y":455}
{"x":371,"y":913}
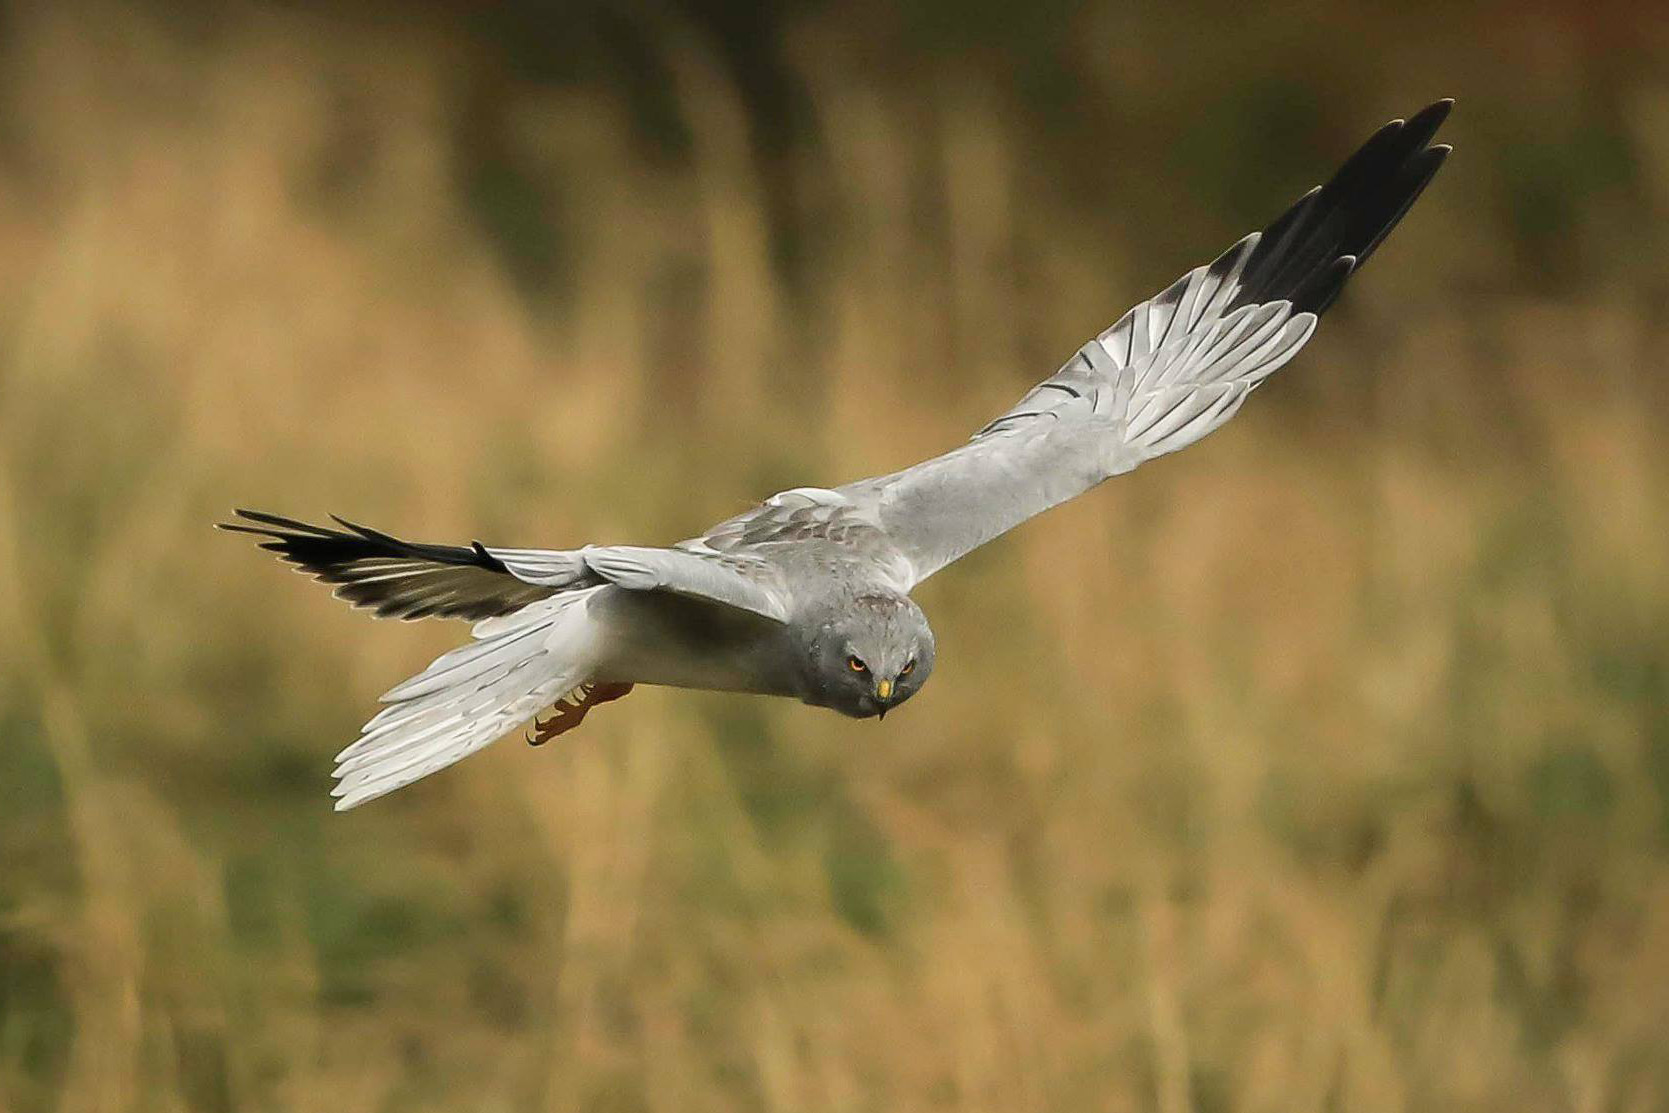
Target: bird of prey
{"x":807,"y":595}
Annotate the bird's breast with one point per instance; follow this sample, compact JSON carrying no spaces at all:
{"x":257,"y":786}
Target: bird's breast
{"x":659,"y":638}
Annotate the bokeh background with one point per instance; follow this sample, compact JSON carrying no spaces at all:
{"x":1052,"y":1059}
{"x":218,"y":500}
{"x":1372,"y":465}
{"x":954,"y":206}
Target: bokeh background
{"x":1323,"y":767}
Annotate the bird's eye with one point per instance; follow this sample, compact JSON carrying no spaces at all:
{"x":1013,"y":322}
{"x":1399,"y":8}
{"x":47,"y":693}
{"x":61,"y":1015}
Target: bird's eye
{"x":909,"y":667}
{"x":856,"y":665}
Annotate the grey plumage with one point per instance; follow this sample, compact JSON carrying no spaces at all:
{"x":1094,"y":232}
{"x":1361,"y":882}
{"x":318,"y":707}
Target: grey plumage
{"x":807,"y":594}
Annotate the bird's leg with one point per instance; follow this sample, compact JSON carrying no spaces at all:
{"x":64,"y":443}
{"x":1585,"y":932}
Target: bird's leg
{"x":570,"y":710}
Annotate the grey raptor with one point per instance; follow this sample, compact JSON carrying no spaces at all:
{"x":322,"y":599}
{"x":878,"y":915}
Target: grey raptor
{"x":808,"y":594}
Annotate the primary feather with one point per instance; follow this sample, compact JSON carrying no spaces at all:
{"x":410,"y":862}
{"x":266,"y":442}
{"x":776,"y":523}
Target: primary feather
{"x":397,"y":579}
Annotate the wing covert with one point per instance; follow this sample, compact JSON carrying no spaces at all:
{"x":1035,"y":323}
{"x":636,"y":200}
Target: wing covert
{"x":747,"y":583}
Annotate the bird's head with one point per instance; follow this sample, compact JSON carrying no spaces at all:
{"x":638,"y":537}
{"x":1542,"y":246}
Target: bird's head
{"x":868,"y":654}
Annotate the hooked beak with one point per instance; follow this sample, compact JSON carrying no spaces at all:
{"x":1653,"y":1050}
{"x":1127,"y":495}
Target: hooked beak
{"x":883,"y":695}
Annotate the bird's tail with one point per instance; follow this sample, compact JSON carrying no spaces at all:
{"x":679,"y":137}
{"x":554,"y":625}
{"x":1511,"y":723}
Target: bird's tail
{"x":471,"y":697}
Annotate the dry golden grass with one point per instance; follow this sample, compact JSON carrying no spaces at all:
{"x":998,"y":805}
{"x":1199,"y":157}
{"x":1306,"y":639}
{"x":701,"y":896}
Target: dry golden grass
{"x":1322,"y":767}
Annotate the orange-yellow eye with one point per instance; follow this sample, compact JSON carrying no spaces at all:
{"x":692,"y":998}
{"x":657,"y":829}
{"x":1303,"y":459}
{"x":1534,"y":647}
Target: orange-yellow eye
{"x":856,"y":665}
{"x":909,"y":667}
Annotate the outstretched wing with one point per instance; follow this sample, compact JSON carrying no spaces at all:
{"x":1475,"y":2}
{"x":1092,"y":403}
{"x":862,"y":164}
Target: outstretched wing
{"x":397,"y":579}
{"x":403,"y":579}
{"x":1170,"y":371}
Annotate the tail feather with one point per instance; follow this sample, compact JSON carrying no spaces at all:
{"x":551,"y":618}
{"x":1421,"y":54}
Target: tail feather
{"x":470,"y":697}
{"x":462,"y":665}
{"x":423,"y":733}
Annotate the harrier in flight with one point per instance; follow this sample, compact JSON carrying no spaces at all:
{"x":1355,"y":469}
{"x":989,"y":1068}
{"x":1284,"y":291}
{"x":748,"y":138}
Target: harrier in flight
{"x":807,"y":595}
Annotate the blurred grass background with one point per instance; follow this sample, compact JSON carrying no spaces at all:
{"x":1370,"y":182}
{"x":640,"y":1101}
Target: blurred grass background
{"x":1324,"y":767}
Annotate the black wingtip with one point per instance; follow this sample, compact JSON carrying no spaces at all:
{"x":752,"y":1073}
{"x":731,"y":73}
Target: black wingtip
{"x":487,"y":559}
{"x":1298,"y":256}
{"x":1433,"y":114}
{"x":262,"y":523}
{"x":334,"y":556}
